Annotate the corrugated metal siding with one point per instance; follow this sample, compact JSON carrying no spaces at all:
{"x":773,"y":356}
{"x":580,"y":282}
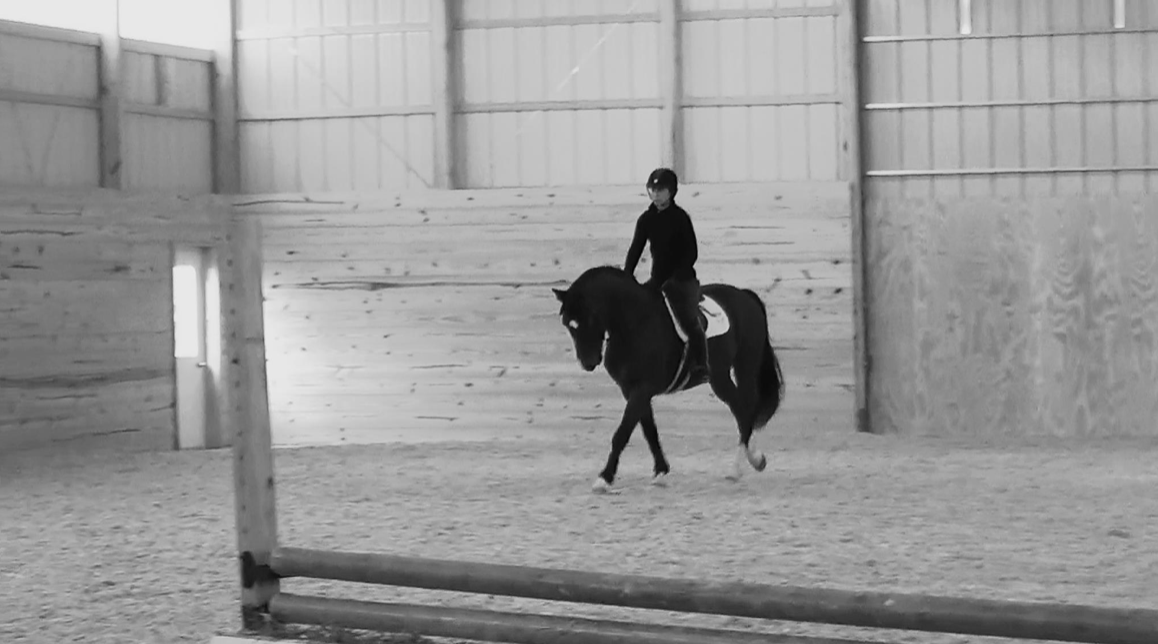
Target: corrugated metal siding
{"x":1047,"y":85}
{"x":167,"y":152}
{"x":761,"y":82}
{"x":49,"y":112}
{"x":597,"y":61}
{"x":48,"y":145}
{"x":337,"y":96}
{"x":334,"y":111}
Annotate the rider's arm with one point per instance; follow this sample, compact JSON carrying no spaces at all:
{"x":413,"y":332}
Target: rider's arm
{"x":635,"y":251}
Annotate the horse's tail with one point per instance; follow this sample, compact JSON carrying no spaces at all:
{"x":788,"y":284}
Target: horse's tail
{"x":770,"y":379}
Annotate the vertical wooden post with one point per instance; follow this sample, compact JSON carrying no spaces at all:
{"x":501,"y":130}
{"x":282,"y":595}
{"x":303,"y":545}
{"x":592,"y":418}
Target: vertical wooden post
{"x":254,"y":488}
{"x":443,"y":66}
{"x":852,"y":170}
{"x":671,"y":85}
{"x":111,"y":110}
{"x":226,"y":149}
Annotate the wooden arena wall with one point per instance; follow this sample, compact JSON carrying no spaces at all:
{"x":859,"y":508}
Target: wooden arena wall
{"x":86,"y":315}
{"x":1012,"y":280}
{"x":433,"y":312}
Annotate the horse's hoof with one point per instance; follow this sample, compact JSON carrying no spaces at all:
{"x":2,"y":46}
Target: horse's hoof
{"x":762,"y":464}
{"x":601,"y":486}
{"x":659,"y":480}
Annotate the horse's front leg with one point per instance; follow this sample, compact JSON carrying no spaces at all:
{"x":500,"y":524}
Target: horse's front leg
{"x":633,"y":411}
{"x":651,"y":433}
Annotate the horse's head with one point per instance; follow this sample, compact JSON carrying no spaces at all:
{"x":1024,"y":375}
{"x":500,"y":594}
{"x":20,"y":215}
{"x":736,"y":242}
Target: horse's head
{"x":584,"y":325}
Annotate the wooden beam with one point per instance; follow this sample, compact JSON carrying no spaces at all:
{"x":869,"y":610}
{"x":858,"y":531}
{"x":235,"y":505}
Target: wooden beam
{"x":671,"y":89}
{"x":495,"y":626}
{"x":111,"y":110}
{"x":226,"y":149}
{"x":852,"y":170}
{"x":247,"y":417}
{"x":444,"y":69}
{"x":815,"y":605}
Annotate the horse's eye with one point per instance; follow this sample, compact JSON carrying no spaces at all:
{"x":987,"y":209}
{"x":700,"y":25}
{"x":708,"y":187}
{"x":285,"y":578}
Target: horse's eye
{"x":574,"y":324}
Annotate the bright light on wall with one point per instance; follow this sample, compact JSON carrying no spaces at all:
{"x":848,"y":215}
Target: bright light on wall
{"x":175,"y":22}
{"x":186,"y":313}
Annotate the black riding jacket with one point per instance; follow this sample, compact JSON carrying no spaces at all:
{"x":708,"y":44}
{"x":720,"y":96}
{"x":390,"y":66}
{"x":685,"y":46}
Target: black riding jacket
{"x":673,"y":244}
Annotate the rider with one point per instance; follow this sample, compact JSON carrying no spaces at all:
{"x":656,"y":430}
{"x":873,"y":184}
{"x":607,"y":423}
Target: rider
{"x":673,"y":252}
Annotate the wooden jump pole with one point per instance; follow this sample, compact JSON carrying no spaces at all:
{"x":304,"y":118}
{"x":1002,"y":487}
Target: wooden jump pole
{"x":912,"y":612}
{"x":512,"y":628}
{"x":263,"y":563}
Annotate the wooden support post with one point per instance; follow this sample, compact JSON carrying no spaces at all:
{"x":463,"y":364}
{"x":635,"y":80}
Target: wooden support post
{"x":852,"y":170}
{"x":226,"y":149}
{"x":111,"y":109}
{"x":249,"y":421}
{"x":444,"y":66}
{"x":671,"y":85}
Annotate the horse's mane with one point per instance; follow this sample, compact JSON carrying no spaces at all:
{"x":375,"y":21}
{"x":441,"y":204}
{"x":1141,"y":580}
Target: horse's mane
{"x":606,"y":271}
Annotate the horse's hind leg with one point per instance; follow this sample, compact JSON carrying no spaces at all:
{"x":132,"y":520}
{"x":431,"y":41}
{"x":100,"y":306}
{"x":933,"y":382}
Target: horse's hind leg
{"x":651,"y":433}
{"x":741,"y":400}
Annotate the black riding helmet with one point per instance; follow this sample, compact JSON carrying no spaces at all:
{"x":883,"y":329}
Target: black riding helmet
{"x":663,"y":178}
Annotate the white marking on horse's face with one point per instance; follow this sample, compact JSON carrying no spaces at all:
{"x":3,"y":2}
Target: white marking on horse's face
{"x":574,"y":324}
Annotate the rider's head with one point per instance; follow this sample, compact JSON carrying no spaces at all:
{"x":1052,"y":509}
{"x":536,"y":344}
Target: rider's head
{"x":662,"y":186}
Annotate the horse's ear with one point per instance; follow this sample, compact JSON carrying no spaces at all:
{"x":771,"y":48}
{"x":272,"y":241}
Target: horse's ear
{"x":559,"y":294}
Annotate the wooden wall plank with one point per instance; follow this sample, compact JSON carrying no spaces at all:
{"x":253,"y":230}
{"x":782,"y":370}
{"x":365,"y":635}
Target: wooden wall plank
{"x":387,"y":299}
{"x":86,"y":304}
{"x":1053,"y":353}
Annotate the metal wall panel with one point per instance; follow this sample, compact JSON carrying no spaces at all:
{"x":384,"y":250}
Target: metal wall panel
{"x":1044,"y":97}
{"x":48,"y":122}
{"x":168,"y":154}
{"x":335,"y":95}
{"x":48,"y":145}
{"x":760,"y":90}
{"x":50,"y":118}
{"x":557,"y":94}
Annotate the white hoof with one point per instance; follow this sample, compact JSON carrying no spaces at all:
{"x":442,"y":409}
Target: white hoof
{"x":659,"y":480}
{"x":758,"y":461}
{"x":600,"y":486}
{"x":738,"y":465}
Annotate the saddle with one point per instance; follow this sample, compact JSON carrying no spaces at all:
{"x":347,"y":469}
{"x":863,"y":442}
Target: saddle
{"x":714,"y":321}
{"x":712,"y":318}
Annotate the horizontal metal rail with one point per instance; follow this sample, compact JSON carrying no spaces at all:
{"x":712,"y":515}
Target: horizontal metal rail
{"x":930,"y":613}
{"x":37,"y":98}
{"x":967,"y":172}
{"x":334,"y":113}
{"x":272,"y":33}
{"x":163,"y":111}
{"x":512,"y":628}
{"x":1041,"y":102}
{"x":871,"y":40}
{"x":55,"y":34}
{"x":165,"y":50}
{"x":556,"y":21}
{"x":770,"y":12}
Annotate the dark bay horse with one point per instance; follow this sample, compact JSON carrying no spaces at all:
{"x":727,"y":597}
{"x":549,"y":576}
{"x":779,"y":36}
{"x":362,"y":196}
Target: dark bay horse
{"x":645,"y":357}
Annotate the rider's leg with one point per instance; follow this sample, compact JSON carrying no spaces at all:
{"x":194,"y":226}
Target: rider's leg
{"x":685,"y":297}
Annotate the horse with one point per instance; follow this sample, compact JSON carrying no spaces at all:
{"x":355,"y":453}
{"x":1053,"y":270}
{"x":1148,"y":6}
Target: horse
{"x":646,"y":357}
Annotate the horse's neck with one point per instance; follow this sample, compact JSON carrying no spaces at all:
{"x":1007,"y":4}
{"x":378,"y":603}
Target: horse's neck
{"x":625,"y":306}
